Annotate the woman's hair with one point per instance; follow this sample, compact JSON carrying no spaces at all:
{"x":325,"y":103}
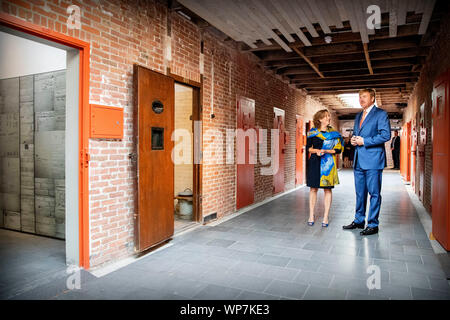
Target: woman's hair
{"x":318,"y":116}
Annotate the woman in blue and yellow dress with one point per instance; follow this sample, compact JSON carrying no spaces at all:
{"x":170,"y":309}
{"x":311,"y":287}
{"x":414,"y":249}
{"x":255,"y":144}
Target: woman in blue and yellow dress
{"x":323,"y":144}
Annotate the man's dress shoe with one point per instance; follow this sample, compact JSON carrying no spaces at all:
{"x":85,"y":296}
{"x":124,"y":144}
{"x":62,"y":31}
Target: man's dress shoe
{"x":368,"y":231}
{"x":354,"y":225}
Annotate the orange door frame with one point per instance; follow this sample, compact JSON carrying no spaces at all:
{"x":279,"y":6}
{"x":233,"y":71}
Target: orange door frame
{"x":83,"y":104}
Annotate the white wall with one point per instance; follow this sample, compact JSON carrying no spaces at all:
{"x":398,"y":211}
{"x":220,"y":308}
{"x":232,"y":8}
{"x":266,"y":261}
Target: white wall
{"x":20,"y":57}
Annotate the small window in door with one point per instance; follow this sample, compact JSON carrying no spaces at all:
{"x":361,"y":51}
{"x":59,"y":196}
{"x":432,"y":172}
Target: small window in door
{"x":157,"y":138}
{"x":440,"y":107}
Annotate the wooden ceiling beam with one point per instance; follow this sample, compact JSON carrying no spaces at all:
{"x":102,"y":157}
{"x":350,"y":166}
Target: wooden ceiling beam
{"x":426,"y":16}
{"x":341,"y":91}
{"x":366,"y":54}
{"x":351,"y":66}
{"x":371,"y":78}
{"x":343,"y":37}
{"x":356,"y":87}
{"x":374,"y":56}
{"x":356,"y":83}
{"x":355,"y":73}
{"x":308,"y":61}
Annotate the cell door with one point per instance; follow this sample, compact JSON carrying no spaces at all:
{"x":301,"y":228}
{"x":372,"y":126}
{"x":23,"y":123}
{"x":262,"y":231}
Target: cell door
{"x":440,"y":116}
{"x":154,"y":115}
{"x":245,"y":152}
{"x":408,"y":152}
{"x":405,"y":150}
{"x":413,"y":152}
{"x":278,"y":177}
{"x":299,"y":137}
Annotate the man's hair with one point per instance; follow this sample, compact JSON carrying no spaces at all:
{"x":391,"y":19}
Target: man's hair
{"x":369,"y":90}
{"x":318,"y":116}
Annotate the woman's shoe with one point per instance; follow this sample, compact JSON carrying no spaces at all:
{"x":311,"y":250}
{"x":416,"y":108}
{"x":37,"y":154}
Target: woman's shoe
{"x":324,"y":225}
{"x":310,"y":223}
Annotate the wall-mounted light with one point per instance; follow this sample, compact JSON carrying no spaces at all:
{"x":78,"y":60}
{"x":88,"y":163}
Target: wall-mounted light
{"x":181,"y":13}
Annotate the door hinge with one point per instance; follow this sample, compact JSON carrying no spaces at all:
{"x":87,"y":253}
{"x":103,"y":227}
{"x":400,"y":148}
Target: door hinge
{"x":132,"y":156}
{"x":85,"y":157}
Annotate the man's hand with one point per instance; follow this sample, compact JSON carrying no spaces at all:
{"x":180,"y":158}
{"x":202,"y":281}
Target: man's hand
{"x":353,"y":141}
{"x":359,"y":141}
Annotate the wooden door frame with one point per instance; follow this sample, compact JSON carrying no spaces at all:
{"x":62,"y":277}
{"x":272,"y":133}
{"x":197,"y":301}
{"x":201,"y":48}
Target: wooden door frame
{"x":299,"y":117}
{"x":83,"y":47}
{"x":197,"y":114}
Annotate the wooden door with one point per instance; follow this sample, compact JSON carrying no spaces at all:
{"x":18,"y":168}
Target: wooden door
{"x":299,"y":137}
{"x":440,"y":195}
{"x":154,"y":113}
{"x":278,"y":177}
{"x":246,"y":150}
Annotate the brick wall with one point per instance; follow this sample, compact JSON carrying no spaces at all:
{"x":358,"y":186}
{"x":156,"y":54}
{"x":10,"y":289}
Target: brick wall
{"x":122,"y":33}
{"x":437,"y":62}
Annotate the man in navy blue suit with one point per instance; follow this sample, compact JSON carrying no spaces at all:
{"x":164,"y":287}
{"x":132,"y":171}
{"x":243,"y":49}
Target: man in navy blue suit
{"x":371,"y":130}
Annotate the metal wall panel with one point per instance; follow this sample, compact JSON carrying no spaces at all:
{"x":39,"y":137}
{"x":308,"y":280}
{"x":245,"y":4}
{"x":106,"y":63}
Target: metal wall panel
{"x":32,"y":153}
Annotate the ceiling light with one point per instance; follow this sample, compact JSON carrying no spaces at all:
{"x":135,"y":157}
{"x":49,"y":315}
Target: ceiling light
{"x":350,"y":99}
{"x":328,"y":39}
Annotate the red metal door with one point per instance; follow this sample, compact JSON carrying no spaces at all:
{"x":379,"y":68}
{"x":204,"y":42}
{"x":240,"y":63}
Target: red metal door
{"x":440,"y":195}
{"x":413,"y":153}
{"x":299,"y":151}
{"x":245,"y":150}
{"x":278,"y":177}
{"x":154,"y":116}
{"x":408,"y":152}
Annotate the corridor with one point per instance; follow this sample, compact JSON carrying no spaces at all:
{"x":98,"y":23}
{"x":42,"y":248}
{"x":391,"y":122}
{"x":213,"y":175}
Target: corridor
{"x":270,"y":253}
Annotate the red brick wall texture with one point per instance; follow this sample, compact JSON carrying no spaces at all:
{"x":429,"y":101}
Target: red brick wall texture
{"x":437,"y":62}
{"x":122,"y":33}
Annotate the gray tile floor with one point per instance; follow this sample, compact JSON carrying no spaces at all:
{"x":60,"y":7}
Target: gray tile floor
{"x":271,"y":253}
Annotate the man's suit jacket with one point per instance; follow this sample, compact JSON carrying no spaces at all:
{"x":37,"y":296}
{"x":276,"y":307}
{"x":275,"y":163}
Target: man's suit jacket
{"x":395,"y":144}
{"x":376,"y":130}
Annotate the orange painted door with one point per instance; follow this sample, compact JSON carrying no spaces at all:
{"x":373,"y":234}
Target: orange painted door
{"x":245,"y":152}
{"x":440,"y":191}
{"x":299,"y":151}
{"x":408,"y":152}
{"x":278,"y":177}
{"x":405,"y":151}
{"x":154,"y":112}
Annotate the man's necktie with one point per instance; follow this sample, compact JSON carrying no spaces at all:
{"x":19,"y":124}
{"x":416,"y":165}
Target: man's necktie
{"x":362,"y":119}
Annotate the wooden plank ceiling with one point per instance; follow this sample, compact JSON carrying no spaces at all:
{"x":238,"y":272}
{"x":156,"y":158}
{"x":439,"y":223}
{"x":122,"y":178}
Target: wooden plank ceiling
{"x":325,"y":46}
